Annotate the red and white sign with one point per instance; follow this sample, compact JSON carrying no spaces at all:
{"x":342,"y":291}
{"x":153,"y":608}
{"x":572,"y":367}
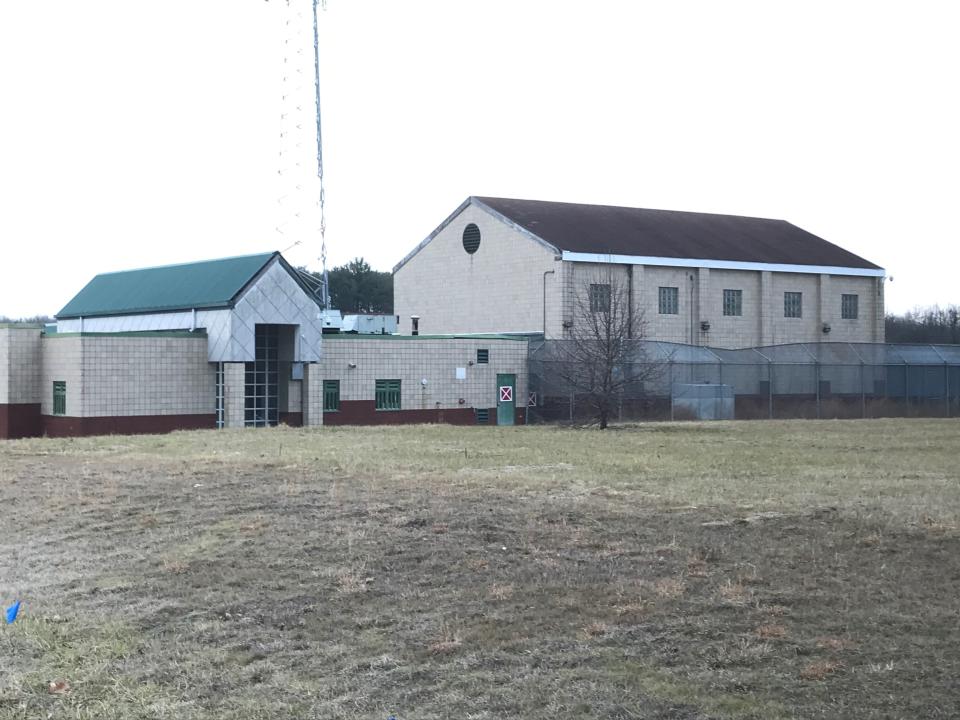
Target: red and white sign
{"x":506,"y":393}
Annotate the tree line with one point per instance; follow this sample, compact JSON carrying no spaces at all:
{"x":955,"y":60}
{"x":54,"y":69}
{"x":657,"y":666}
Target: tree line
{"x":936,"y":325}
{"x":355,"y":287}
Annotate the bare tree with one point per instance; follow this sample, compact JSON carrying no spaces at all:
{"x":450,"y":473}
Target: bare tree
{"x":603,"y":359}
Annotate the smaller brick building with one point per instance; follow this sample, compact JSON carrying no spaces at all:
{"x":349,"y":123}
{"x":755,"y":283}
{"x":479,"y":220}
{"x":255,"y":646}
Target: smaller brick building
{"x":237,"y":342}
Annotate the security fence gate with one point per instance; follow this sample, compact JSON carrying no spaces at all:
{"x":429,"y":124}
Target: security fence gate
{"x":813,"y":380}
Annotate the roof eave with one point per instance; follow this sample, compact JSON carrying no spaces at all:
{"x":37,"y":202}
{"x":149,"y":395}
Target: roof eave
{"x":721,"y":264}
{"x":145,"y":311}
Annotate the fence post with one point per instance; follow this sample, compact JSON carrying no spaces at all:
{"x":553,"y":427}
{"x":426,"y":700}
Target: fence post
{"x":670,"y":365}
{"x":946,"y":386}
{"x":906,"y":388}
{"x":863,"y":394}
{"x":816,"y":373}
{"x":770,"y":391}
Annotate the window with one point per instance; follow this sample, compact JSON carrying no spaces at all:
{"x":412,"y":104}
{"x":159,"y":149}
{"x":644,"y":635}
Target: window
{"x":471,"y":238}
{"x":849,"y":306}
{"x":792,"y":304}
{"x":669,"y":301}
{"x":261,"y":379}
{"x":483,"y":416}
{"x":219,"y":396}
{"x":483,"y":356}
{"x":388,"y":394}
{"x":59,"y":397}
{"x":733,"y":302}
{"x":599,"y":298}
{"x":331,"y":395}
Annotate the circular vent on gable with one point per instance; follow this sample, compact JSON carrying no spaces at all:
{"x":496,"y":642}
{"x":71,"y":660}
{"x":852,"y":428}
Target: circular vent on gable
{"x":471,"y":238}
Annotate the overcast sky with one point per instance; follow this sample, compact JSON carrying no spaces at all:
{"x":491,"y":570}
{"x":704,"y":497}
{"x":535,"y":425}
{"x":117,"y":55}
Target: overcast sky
{"x":136,"y":134}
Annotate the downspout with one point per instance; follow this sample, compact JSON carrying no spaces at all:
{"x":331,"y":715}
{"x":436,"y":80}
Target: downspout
{"x":545,"y":273}
{"x":629,"y":302}
{"x":193,"y":319}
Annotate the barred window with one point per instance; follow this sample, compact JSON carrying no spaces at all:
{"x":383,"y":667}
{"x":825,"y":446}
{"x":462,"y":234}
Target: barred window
{"x":59,"y":397}
{"x":733,"y":302}
{"x":669,"y":301}
{"x":849,"y":306}
{"x":483,"y":356}
{"x":388,"y":394}
{"x":792,"y":304}
{"x":331,"y":395}
{"x":599,"y":298}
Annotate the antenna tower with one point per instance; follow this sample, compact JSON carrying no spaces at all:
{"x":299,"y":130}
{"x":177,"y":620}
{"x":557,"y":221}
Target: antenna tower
{"x":292,"y":134}
{"x":316,"y":85}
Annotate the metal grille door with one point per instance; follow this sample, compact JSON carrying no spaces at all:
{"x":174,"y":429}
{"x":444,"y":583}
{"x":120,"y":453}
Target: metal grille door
{"x":260,"y":404}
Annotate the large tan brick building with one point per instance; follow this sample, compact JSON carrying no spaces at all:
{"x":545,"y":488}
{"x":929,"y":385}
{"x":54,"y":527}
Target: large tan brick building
{"x":518,"y":266}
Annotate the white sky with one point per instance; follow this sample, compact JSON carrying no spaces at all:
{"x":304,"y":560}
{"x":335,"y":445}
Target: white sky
{"x":136,"y":133}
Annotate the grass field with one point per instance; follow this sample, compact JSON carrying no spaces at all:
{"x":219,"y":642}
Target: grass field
{"x":730,"y":570}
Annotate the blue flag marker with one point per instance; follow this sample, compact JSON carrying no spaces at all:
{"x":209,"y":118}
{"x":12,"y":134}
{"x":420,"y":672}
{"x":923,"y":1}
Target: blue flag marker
{"x":12,"y":612}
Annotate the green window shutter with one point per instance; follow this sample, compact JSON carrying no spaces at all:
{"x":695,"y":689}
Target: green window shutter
{"x":483,"y":356}
{"x":331,"y":395}
{"x":59,"y":397}
{"x":388,"y":394}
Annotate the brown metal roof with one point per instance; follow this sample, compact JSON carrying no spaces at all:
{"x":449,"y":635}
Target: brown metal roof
{"x":603,"y":229}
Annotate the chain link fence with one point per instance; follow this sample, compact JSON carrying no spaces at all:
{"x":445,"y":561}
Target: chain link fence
{"x":812,"y":380}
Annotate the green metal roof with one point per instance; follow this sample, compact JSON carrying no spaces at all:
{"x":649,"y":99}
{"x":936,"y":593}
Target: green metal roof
{"x":207,"y":284}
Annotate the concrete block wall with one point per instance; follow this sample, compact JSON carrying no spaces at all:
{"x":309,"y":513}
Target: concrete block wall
{"x":499,"y":288}
{"x":19,"y":380}
{"x":62,"y":361}
{"x":234,"y":394}
{"x":312,"y":393}
{"x":700,"y":294}
{"x":128,"y":375}
{"x":729,"y":330}
{"x":682,"y":327}
{"x":19,"y":364}
{"x":412,"y":360}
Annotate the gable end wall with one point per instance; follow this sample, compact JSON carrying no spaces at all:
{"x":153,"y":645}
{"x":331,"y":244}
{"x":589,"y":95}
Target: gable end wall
{"x":499,"y":288}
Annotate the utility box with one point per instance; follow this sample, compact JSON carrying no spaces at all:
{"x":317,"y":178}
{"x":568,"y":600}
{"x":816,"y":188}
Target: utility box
{"x":702,"y":401}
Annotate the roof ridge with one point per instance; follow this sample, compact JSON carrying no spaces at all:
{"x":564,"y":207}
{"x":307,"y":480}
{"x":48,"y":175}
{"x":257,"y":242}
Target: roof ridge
{"x":193,"y":262}
{"x":484,"y":198}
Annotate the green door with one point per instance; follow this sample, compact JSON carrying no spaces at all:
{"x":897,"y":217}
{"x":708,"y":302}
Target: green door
{"x":506,"y":398}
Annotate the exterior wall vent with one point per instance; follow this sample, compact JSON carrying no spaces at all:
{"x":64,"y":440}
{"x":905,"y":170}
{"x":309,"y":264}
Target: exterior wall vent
{"x":471,"y":238}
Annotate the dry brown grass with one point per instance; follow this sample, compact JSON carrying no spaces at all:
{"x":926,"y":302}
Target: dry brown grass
{"x":665,"y":571}
{"x":670,"y":588}
{"x":835,"y":644}
{"x":771,"y":631}
{"x":821,"y":669}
